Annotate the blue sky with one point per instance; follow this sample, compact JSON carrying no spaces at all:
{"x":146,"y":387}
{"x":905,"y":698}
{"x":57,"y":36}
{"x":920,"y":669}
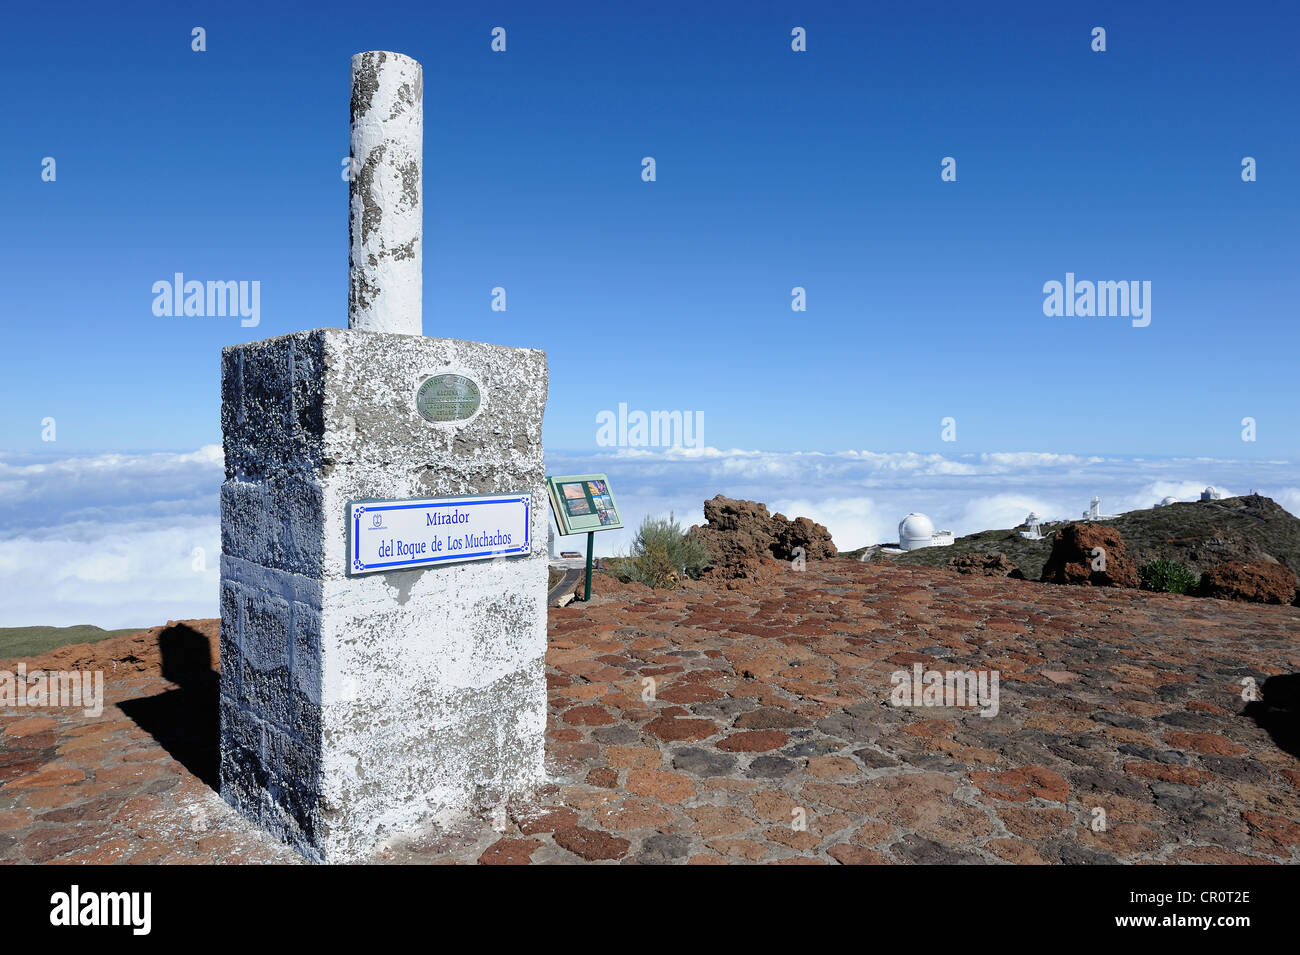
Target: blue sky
{"x":775,"y":169}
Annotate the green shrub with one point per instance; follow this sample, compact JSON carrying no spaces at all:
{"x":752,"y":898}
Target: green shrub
{"x":1167,"y":576}
{"x":662,"y":553}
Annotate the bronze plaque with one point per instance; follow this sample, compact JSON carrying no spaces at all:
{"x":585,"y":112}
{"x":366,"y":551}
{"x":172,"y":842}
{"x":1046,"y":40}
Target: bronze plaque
{"x":447,"y":398}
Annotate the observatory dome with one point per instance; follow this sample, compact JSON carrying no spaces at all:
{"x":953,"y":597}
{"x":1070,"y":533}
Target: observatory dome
{"x":915,"y":531}
{"x":1211,"y":493}
{"x":1165,"y":502}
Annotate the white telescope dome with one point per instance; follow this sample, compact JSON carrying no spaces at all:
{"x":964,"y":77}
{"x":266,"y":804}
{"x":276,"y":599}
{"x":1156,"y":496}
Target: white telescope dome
{"x":915,"y":531}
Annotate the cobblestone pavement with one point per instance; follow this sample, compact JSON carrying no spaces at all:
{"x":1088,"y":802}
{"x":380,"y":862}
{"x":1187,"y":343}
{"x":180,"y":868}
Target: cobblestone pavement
{"x":770,"y":737}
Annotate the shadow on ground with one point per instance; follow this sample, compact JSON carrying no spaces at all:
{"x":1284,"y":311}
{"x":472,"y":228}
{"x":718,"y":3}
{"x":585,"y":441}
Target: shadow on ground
{"x":1278,"y":711}
{"x":185,"y":721}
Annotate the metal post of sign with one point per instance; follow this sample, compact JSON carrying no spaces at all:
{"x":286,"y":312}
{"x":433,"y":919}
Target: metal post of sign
{"x":591,"y":544}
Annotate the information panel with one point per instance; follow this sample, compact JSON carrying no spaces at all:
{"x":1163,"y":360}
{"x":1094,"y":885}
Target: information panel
{"x":399,"y":535}
{"x":582,"y":503}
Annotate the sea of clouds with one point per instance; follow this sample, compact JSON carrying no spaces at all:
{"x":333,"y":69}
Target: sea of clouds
{"x":133,"y":540}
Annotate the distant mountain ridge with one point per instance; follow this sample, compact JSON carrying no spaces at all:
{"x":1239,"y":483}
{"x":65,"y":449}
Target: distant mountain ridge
{"x":1200,"y":534}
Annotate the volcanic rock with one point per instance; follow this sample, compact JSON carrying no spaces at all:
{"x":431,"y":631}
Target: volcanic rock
{"x":744,"y":540}
{"x":814,"y":538}
{"x":1253,"y":581}
{"x":1079,"y":548}
{"x":989,"y":564}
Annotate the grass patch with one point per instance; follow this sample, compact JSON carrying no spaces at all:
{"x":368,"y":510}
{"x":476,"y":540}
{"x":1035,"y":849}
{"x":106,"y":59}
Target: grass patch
{"x":33,"y":641}
{"x":1167,"y":576}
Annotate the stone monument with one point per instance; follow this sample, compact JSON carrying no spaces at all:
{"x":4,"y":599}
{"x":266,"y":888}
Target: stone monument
{"x":379,"y":672}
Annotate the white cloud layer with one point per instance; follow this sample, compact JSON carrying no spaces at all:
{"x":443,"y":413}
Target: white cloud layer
{"x":122,"y":540}
{"x":116,"y":540}
{"x":862,"y":495}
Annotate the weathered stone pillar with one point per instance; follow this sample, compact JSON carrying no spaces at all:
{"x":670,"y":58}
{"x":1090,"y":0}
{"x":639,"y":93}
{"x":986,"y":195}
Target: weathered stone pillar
{"x":361,"y":699}
{"x":386,"y":195}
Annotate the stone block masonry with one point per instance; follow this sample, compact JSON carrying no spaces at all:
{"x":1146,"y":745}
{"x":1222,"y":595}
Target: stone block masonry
{"x":354,"y":709}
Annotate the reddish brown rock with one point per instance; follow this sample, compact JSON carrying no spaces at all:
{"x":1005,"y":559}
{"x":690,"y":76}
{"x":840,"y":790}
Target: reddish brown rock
{"x":633,"y":813}
{"x":777,"y":806}
{"x":590,"y":715}
{"x":604,"y":776}
{"x":856,"y":855}
{"x":510,"y":852}
{"x":1021,"y":785}
{"x":1255,"y":581}
{"x":989,"y":564}
{"x":657,"y":784}
{"x":830,"y":767}
{"x":748,"y":849}
{"x":49,"y":776}
{"x":1089,"y":554}
{"x":45,"y":844}
{"x":672,"y":729}
{"x":591,"y":844}
{"x":800,"y":839}
{"x":757,"y":741}
{"x":1279,"y":829}
{"x":633,"y":757}
{"x":547,"y":822}
{"x":1206,"y":743}
{"x":30,"y":726}
{"x":586,"y":798}
{"x":736,"y":533}
{"x":712,"y":821}
{"x":743,"y":539}
{"x":689,"y":693}
{"x":1037,"y":823}
{"x":1014,"y":851}
{"x":788,"y":536}
{"x":1213,"y":855}
{"x":1121,"y":838}
{"x":105,"y":853}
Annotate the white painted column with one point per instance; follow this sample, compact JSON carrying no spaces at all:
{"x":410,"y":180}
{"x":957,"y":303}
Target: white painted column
{"x":386,"y":195}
